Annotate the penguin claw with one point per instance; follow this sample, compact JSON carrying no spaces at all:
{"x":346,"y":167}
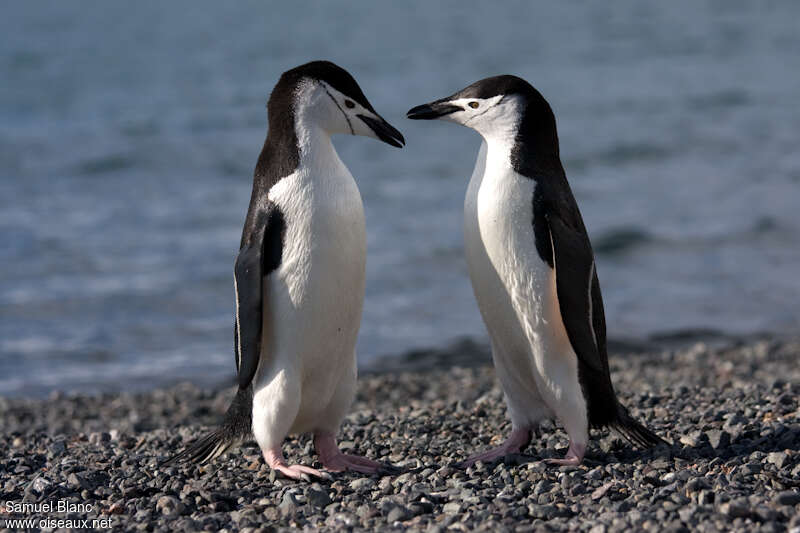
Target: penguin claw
{"x":301,"y":472}
{"x":574,"y":456}
{"x":334,"y":460}
{"x":356,"y":463}
{"x":518,"y":439}
{"x":275,"y":460}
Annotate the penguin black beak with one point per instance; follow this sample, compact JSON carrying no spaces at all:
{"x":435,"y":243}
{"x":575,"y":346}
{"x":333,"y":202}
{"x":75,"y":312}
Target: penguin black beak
{"x":433,"y":110}
{"x":385,"y":131}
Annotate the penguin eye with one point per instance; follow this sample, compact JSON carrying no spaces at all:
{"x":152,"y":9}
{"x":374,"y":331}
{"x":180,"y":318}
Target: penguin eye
{"x":474,"y":105}
{"x":349,"y":104}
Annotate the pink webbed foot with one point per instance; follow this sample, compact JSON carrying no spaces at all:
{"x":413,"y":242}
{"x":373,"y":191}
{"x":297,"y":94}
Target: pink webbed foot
{"x":275,"y":460}
{"x":334,"y":460}
{"x":574,"y":455}
{"x":518,"y":440}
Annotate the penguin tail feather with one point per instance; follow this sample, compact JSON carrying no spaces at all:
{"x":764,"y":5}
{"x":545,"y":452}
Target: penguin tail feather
{"x":634,"y":432}
{"x":204,"y":449}
{"x":233,"y":431}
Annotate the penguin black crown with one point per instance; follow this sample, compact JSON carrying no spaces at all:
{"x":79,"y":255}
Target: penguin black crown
{"x":299,"y":276}
{"x":532,"y":270}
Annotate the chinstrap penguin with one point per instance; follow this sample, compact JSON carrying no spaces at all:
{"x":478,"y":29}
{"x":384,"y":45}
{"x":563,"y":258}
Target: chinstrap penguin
{"x":299,"y":276}
{"x":533,"y":270}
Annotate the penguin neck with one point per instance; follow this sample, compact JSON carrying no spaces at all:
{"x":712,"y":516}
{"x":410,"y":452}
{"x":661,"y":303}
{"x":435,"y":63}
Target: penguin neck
{"x":525,"y":141}
{"x":302,"y":146}
{"x":500,"y":144}
{"x":317,"y":154}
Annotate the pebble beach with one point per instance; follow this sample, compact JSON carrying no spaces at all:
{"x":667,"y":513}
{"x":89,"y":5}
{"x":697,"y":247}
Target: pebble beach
{"x":730,"y":410}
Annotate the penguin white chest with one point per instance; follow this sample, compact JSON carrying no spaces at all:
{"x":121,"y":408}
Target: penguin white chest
{"x":515,"y":290}
{"x":504,"y":264}
{"x":315,"y":298}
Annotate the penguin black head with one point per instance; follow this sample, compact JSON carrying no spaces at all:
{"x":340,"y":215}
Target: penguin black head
{"x":322,"y":94}
{"x":496,"y":107}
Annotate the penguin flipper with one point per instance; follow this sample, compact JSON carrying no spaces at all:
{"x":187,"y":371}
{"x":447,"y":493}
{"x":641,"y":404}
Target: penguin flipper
{"x":259,"y":255}
{"x":578,"y":294}
{"x":581,"y":307}
{"x":582,"y":312}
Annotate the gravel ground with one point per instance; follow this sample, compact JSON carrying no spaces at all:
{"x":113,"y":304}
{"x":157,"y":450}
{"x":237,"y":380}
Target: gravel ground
{"x":732,"y":412}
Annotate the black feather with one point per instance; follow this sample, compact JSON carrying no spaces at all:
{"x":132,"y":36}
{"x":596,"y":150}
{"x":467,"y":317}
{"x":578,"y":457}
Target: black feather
{"x":634,"y":432}
{"x":236,"y":428}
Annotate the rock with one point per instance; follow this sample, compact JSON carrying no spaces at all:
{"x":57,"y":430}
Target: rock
{"x":735,"y":509}
{"x":398,"y":514}
{"x":788,"y":497}
{"x":362,"y":483}
{"x":545,"y":512}
{"x":596,"y":473}
{"x":669,"y":477}
{"x":779,"y":459}
{"x":77,"y":482}
{"x":288,"y":503}
{"x":543,"y":487}
{"x":169,"y":506}
{"x":418,"y":508}
{"x":602,"y":491}
{"x":57,"y":448}
{"x":705,"y":497}
{"x":41,"y":485}
{"x":98,"y":438}
{"x":697,"y":484}
{"x":718,"y":438}
{"x":317,"y":497}
{"x":452,"y":508}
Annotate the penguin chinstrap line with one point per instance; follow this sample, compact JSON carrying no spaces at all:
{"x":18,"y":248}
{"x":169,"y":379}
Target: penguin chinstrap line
{"x":299,"y":276}
{"x":533,"y":271}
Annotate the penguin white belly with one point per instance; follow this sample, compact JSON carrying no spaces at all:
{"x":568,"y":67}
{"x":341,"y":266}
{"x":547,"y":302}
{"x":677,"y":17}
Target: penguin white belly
{"x":313,"y":307}
{"x":516,"y":294}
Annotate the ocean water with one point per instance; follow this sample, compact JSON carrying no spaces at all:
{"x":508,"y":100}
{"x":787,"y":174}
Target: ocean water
{"x":128,"y":135}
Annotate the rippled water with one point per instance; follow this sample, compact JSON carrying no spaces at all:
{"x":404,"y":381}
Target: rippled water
{"x":128,"y":135}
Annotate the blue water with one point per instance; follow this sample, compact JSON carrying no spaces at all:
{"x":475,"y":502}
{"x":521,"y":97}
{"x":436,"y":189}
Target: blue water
{"x":128,"y":135}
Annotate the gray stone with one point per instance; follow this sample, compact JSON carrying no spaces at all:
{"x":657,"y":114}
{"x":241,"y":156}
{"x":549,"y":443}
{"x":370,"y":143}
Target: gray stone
{"x":317,"y":497}
{"x":169,"y":506}
{"x":601,"y":491}
{"x":399,"y":514}
{"x":596,"y":473}
{"x":56,"y":448}
{"x":41,"y":485}
{"x":362,"y":483}
{"x":718,"y":438}
{"x":76,"y":481}
{"x":735,"y":509}
{"x":788,"y":497}
{"x":289,"y":503}
{"x":98,"y":438}
{"x":452,"y":508}
{"x":778,"y":458}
